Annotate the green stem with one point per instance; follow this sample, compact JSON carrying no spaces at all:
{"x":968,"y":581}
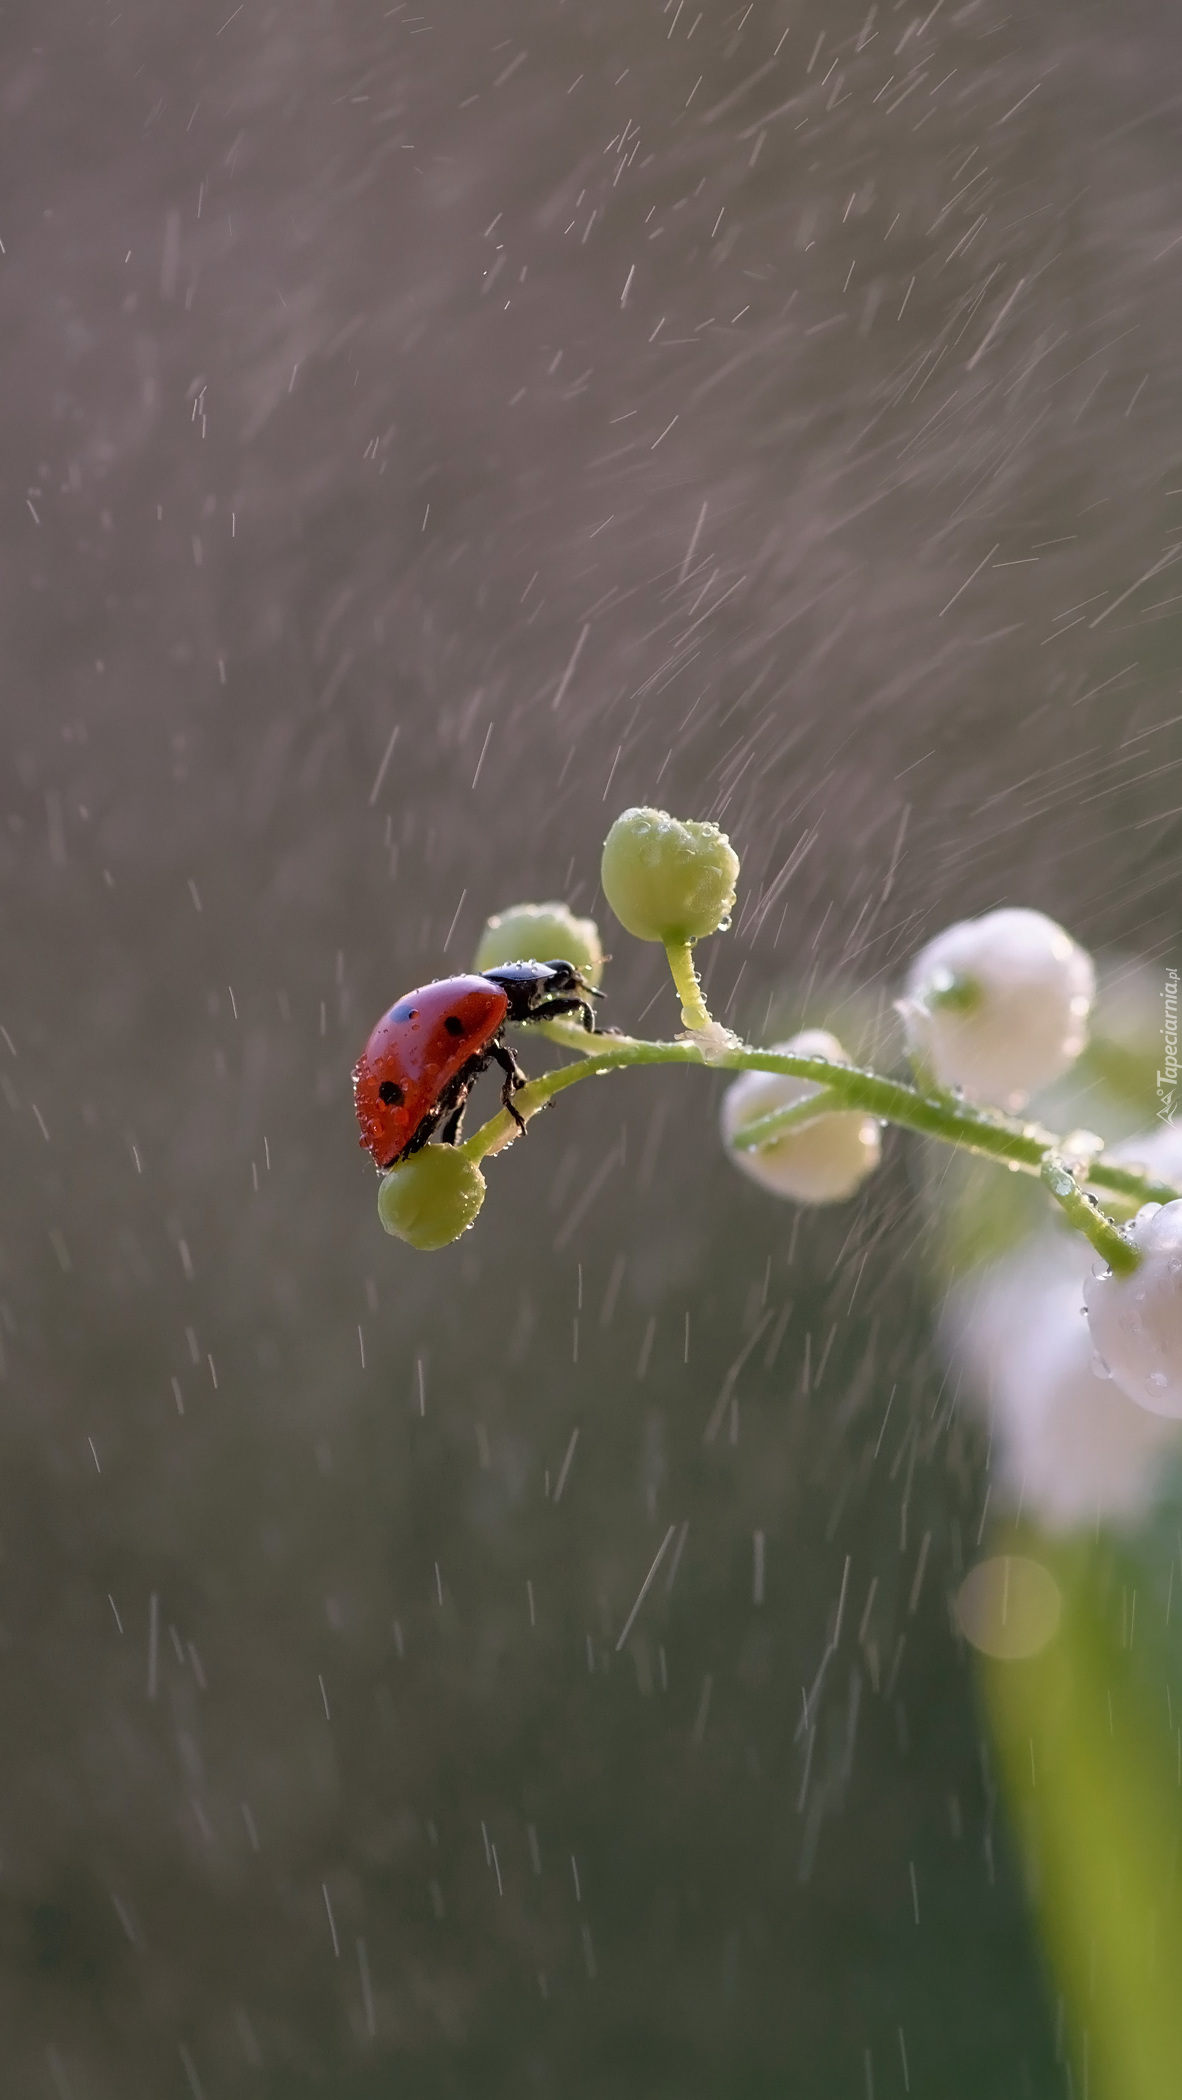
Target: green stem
{"x":694,"y":1011}
{"x":1021,"y":1146}
{"x":501,"y":1130}
{"x":1088,"y":1774}
{"x":1086,"y":1215}
{"x":769,"y":1129}
{"x":1133,"y":1182}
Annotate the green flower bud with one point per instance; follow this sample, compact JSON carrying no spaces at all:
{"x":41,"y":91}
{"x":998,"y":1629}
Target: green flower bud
{"x":431,"y":1198}
{"x":541,"y":933}
{"x":668,"y":881}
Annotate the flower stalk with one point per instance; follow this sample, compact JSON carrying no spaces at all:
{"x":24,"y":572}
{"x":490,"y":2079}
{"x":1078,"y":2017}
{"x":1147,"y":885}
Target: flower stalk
{"x":1018,"y":1145}
{"x":768,"y":1129}
{"x":1083,"y":1211}
{"x":687,"y":984}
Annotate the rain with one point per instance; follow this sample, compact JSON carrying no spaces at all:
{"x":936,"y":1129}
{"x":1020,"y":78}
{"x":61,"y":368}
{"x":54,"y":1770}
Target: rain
{"x":645,"y":1647}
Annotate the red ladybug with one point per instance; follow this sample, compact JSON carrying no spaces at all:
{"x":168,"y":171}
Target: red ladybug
{"x":424,"y":1057}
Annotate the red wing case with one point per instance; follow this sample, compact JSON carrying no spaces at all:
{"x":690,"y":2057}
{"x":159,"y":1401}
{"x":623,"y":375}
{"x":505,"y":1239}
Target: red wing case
{"x":414,"y":1053}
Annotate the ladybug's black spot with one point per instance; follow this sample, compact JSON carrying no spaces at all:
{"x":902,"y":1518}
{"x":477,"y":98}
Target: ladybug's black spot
{"x":391,"y":1094}
{"x":454,"y":1025}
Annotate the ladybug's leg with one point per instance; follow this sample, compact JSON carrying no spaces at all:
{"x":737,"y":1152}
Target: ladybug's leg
{"x":553,"y":1009}
{"x":448,"y":1110}
{"x":514,"y":1078}
{"x":456,"y":1101}
{"x":450,"y":1133}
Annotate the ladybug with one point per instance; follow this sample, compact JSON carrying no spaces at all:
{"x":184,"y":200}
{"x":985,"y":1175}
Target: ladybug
{"x":424,"y":1057}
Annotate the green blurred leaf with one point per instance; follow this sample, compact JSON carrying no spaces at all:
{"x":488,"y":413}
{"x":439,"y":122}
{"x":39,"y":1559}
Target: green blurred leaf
{"x":1091,"y":1774}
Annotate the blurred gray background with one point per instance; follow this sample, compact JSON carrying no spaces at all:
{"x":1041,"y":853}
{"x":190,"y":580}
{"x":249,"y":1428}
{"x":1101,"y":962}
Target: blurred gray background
{"x":770,"y":410}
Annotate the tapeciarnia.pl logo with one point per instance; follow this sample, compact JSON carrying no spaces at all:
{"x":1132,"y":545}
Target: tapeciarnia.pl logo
{"x":1167,"y":1078}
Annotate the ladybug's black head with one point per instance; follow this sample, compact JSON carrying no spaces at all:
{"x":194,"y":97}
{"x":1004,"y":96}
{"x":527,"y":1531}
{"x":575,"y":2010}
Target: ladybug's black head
{"x":530,"y":987}
{"x":564,"y":977}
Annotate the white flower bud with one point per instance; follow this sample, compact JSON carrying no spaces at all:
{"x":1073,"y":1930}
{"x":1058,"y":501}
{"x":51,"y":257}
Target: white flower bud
{"x":821,"y":1162}
{"x":1068,"y":1447}
{"x":1136,"y":1320}
{"x":998,"y":1006}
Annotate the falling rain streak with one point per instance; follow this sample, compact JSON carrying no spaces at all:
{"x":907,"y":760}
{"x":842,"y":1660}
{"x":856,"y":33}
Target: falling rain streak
{"x":598,"y":1646}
